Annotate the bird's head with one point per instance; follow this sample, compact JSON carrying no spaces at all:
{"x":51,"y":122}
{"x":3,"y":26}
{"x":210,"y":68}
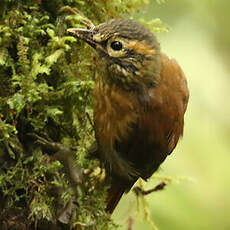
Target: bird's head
{"x":129,"y":51}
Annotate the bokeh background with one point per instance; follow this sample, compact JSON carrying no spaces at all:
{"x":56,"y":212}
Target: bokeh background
{"x":199,"y":195}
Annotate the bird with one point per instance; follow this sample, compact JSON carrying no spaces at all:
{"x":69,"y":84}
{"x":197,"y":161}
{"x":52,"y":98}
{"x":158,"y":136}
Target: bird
{"x":140,"y":98}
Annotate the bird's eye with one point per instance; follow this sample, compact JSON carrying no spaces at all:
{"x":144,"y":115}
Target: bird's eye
{"x":116,"y":45}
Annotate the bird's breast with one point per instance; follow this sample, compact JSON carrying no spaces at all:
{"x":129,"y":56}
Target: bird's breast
{"x":114,"y":113}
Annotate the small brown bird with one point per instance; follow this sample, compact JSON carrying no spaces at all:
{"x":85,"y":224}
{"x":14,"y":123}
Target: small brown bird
{"x":140,"y":99}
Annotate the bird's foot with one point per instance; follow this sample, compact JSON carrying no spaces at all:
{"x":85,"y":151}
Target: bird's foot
{"x":93,"y":151}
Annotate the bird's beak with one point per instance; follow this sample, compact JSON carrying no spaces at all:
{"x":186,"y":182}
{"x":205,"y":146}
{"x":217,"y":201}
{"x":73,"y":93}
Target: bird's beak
{"x":84,"y":34}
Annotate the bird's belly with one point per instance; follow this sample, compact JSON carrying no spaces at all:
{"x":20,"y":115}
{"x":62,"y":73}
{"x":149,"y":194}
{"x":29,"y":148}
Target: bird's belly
{"x":112,"y":125}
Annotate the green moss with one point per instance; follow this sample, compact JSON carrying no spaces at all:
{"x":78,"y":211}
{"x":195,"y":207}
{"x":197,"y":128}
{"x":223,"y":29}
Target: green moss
{"x":46,"y":81}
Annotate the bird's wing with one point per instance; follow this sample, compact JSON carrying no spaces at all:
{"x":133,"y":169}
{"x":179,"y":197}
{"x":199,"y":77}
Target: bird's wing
{"x":160,"y":124}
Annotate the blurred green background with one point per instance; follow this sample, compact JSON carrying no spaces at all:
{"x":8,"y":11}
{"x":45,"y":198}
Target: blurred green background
{"x":199,"y":39}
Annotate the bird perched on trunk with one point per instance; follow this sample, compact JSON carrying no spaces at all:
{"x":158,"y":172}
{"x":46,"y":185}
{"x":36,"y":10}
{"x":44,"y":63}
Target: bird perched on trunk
{"x":140,"y":98}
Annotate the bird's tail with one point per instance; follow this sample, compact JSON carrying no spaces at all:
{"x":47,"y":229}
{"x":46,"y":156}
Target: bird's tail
{"x":114,"y":195}
{"x":116,"y":190}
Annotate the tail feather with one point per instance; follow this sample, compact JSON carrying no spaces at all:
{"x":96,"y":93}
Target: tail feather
{"x":117,"y":189}
{"x":113,"y":198}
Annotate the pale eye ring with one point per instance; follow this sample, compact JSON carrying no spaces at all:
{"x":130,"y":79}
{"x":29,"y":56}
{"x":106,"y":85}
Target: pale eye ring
{"x":116,"y":45}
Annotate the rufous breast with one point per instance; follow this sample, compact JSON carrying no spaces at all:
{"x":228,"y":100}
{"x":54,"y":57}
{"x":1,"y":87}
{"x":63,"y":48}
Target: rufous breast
{"x":114,"y":112}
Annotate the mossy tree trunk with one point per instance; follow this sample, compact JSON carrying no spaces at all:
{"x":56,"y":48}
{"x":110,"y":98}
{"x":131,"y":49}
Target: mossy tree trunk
{"x":46,"y":77}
